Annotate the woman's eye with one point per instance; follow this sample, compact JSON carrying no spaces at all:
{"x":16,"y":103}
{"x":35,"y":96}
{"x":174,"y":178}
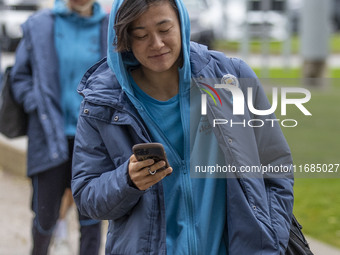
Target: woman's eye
{"x":140,"y":36}
{"x":165,"y":30}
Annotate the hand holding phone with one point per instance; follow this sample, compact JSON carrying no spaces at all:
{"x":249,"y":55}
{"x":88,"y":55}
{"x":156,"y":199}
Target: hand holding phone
{"x":148,"y":165}
{"x":154,"y":151}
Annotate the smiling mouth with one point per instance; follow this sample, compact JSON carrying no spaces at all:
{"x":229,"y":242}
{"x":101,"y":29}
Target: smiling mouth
{"x":158,"y":55}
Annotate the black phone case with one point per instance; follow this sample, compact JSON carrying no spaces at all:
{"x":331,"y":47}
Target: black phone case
{"x":153,"y":151}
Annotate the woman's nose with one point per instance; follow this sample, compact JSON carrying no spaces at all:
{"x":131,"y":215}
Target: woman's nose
{"x":156,"y":42}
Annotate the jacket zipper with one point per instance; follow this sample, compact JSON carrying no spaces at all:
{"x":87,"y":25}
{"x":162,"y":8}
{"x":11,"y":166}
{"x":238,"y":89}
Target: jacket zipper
{"x":187,"y":183}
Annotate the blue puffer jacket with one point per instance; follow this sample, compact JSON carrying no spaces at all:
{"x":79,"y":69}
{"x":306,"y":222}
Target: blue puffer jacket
{"x":35,"y":85}
{"x":258,"y":209}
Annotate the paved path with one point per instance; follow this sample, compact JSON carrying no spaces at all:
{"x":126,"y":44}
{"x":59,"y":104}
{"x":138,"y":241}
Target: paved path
{"x":16,"y":216}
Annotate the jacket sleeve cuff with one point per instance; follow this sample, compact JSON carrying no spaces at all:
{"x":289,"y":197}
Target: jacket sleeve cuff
{"x":129,"y":193}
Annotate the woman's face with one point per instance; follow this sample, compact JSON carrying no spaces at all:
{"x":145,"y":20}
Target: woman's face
{"x":156,"y":38}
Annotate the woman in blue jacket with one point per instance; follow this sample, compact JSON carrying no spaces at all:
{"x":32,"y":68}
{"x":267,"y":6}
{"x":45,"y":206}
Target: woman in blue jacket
{"x":57,"y":48}
{"x":149,"y":90}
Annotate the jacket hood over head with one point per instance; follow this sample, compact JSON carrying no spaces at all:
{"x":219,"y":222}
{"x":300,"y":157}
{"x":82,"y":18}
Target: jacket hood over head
{"x":120,"y":62}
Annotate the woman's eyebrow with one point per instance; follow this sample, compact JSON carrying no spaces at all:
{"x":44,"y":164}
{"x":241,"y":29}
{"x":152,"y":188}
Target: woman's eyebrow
{"x":164,"y":21}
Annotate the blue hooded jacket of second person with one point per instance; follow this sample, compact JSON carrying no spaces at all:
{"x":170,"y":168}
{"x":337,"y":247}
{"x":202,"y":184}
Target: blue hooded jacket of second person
{"x":37,"y":80}
{"x":257,"y":211}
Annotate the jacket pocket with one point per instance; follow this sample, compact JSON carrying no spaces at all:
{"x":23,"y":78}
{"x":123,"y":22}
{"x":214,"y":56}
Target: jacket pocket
{"x":260,"y":207}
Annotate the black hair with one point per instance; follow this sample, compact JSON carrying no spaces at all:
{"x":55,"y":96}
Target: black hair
{"x":128,"y":12}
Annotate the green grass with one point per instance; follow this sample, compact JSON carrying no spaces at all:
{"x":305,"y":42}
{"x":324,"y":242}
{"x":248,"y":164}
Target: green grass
{"x":276,"y":47}
{"x":255,"y":46}
{"x":335,"y":43}
{"x":317,"y":207}
{"x":335,"y":73}
{"x":295,"y":73}
{"x":292,"y":73}
{"x":316,"y":139}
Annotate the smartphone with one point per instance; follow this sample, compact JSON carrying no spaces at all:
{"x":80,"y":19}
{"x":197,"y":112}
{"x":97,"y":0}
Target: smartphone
{"x":155,"y":151}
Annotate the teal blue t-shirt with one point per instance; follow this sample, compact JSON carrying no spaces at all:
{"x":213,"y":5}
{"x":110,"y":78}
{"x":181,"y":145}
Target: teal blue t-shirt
{"x":195,"y":209}
{"x":78,"y":47}
{"x":167,"y":116}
